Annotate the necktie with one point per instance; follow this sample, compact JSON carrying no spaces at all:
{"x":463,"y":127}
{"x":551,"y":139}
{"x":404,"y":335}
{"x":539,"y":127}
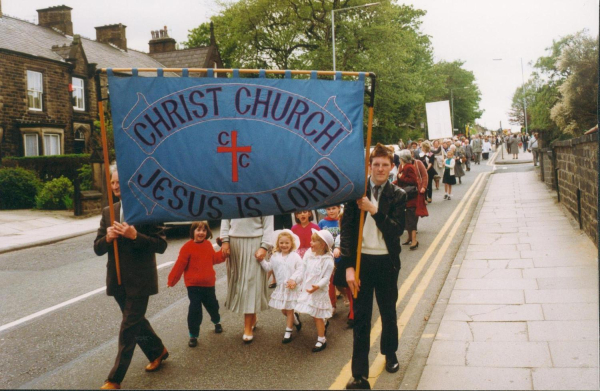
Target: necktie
{"x":376,"y":192}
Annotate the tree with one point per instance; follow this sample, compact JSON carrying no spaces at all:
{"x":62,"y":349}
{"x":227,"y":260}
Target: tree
{"x":561,"y":94}
{"x":465,"y":95}
{"x":296,"y":34}
{"x":576,"y":110}
{"x":200,"y":36}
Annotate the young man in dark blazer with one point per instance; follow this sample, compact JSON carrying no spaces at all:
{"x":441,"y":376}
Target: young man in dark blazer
{"x":385,"y":206}
{"x":139,"y":280}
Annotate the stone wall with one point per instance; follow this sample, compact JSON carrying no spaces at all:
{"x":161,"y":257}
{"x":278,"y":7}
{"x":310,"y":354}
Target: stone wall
{"x":576,"y":162}
{"x":547,"y":168}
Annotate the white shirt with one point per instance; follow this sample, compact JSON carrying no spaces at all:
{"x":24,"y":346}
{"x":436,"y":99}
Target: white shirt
{"x":373,"y":242}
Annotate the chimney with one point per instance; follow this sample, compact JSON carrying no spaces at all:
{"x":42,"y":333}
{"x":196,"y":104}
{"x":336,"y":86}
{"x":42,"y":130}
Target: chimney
{"x":114,"y":33}
{"x":161,"y":42}
{"x":58,"y":17}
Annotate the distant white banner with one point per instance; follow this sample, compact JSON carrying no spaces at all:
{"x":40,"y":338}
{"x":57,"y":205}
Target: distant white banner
{"x":438,"y":119}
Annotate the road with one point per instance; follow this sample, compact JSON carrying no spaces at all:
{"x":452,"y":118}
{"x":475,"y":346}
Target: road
{"x":74,"y":346}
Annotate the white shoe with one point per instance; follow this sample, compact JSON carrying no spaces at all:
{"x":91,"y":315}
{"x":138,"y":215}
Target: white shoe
{"x":247,"y":338}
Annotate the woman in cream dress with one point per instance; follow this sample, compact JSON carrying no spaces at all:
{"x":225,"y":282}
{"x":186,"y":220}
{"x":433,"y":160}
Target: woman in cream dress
{"x":246,"y":241}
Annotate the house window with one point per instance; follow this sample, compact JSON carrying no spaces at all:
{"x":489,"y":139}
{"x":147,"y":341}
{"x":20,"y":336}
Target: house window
{"x":31,"y":144}
{"x":34,"y":90}
{"x":78,"y":94}
{"x":51,"y":144}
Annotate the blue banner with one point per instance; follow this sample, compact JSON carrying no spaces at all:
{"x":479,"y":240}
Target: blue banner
{"x":213,"y":148}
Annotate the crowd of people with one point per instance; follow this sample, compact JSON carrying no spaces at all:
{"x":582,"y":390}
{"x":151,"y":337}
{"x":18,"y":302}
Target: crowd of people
{"x":313,"y":263}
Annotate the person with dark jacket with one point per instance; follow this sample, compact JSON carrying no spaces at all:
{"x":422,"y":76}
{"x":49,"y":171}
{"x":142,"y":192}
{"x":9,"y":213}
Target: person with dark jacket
{"x":384,"y":206}
{"x":137,"y":245}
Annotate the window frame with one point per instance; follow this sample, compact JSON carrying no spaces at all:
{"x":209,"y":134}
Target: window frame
{"x":58,"y":143}
{"x":36,"y":137}
{"x":31,"y":92}
{"x":81,"y":90}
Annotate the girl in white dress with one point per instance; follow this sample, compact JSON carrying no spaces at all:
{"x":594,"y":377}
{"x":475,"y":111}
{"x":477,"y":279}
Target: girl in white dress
{"x":316,"y":270}
{"x":284,"y":262}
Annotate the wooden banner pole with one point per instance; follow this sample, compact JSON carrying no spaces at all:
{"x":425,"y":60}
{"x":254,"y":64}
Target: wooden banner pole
{"x":362,"y":214}
{"x":111,"y":208}
{"x":367,"y":164}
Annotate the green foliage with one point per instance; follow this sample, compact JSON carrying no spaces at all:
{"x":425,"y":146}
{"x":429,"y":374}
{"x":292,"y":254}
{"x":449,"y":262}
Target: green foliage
{"x":86,"y":179}
{"x":200,"y":36}
{"x":465,"y":95}
{"x":18,"y":188}
{"x":384,"y":39}
{"x":56,"y":194}
{"x":50,"y":167}
{"x":562,"y":95}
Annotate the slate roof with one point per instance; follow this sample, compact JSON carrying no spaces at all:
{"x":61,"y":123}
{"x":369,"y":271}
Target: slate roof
{"x":25,"y":37}
{"x":186,"y":58}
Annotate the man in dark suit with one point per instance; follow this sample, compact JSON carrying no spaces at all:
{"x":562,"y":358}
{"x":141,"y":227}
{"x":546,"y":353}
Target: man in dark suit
{"x":385,"y":206}
{"x":139,"y":279}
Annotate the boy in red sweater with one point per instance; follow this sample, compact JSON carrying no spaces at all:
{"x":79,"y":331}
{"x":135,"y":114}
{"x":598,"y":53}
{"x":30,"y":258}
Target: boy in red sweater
{"x":195,"y":262}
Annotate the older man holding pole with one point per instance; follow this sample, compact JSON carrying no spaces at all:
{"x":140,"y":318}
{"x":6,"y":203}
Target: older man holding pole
{"x":137,"y":246}
{"x":384,"y":205}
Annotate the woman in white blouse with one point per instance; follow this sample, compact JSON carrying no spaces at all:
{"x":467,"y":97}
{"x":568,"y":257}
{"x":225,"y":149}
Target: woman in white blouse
{"x":245,"y":241}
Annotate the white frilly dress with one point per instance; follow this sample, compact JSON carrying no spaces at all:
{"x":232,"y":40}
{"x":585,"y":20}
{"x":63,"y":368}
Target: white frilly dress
{"x":315,"y":270}
{"x":283,"y":266}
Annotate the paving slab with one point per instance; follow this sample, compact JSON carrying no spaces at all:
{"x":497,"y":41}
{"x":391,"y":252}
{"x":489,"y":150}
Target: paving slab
{"x":563,"y":330}
{"x":499,"y":331}
{"x":553,"y":272}
{"x":576,"y":354}
{"x":565,"y":379}
{"x":488,"y":273}
{"x":439,"y":377}
{"x":496,"y":284}
{"x":562,"y":296}
{"x":508,"y":354}
{"x":447,"y":353}
{"x":582,"y":282}
{"x":487,"y":297}
{"x":571,"y":311}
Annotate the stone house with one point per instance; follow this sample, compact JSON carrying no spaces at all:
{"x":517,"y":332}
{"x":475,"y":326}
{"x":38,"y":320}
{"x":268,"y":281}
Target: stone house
{"x":48,"y":100}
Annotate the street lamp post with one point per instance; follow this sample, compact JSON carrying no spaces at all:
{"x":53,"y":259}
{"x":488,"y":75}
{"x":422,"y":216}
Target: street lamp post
{"x":333,"y":26}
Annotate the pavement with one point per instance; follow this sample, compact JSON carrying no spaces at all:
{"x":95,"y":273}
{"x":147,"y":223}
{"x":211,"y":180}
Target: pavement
{"x":519,"y":308}
{"x":506,"y":158}
{"x":25,"y":228}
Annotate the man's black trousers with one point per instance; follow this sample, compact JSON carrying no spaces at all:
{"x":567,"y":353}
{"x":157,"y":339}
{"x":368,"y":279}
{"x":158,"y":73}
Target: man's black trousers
{"x":135,"y":330}
{"x":378,"y":275}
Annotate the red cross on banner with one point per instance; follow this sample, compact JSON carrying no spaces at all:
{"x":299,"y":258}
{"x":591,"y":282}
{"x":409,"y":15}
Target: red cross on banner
{"x":234,"y":150}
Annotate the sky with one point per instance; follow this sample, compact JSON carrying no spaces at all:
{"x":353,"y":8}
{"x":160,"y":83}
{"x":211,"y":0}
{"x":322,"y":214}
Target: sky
{"x":473,"y":31}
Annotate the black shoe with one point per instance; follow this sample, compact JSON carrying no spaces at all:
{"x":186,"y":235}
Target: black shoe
{"x":287,"y":340}
{"x":358,"y":383}
{"x":350,"y":323}
{"x":273,"y":285}
{"x":193,"y":342}
{"x":406,"y":243}
{"x":414,"y":247}
{"x":391,"y":363}
{"x":218,"y":328}
{"x":319,"y":346}
{"x":299,"y":325}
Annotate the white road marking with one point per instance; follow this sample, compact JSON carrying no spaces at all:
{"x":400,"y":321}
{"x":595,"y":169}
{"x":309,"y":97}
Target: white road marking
{"x":64,"y":304}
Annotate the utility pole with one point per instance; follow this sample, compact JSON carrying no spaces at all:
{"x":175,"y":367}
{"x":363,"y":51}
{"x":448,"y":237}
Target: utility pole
{"x":523,"y":92}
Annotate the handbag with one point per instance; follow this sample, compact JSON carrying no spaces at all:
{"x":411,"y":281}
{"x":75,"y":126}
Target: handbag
{"x":411,"y":191}
{"x":463,"y":159}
